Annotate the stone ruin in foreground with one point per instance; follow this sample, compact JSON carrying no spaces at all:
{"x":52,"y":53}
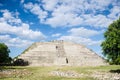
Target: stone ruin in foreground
{"x":60,"y":53}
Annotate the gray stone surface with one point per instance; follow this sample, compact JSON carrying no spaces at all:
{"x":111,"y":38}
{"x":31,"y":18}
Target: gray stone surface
{"x":60,"y":53}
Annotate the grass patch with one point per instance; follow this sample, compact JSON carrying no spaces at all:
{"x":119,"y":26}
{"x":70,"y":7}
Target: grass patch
{"x":43,"y":73}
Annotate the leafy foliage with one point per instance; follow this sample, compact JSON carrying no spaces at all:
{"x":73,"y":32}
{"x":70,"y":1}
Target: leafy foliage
{"x":111,"y":44}
{"x":20,"y":62}
{"x":4,"y":53}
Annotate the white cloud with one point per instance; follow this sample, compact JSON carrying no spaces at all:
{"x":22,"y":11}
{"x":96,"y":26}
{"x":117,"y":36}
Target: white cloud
{"x":21,"y":29}
{"x":11,"y":25}
{"x":114,"y":12}
{"x":36,"y":9}
{"x":83,"y":32}
{"x":49,"y":4}
{"x":96,"y":21}
{"x":59,"y":20}
{"x":100,"y":4}
{"x":9,"y":17}
{"x":56,"y":35}
{"x":22,"y":1}
{"x":15,"y":42}
{"x":82,"y":35}
{"x":70,"y":13}
{"x":80,"y":40}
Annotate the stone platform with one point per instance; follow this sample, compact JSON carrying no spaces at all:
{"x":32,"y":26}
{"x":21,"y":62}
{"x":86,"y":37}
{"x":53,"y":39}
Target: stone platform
{"x":60,"y":53}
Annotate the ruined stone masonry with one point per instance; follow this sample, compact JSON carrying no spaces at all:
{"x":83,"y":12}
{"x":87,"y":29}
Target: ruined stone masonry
{"x":60,"y":53}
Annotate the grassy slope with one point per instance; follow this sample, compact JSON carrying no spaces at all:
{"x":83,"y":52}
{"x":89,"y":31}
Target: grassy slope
{"x":43,"y":73}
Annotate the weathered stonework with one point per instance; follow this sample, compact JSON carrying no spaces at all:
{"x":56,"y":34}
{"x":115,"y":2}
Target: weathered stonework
{"x":61,"y":53}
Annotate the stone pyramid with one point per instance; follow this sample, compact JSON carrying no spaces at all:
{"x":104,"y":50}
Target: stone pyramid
{"x":60,"y":53}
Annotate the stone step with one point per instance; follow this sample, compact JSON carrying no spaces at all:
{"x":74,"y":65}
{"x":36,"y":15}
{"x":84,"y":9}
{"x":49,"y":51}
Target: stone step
{"x":60,"y":53}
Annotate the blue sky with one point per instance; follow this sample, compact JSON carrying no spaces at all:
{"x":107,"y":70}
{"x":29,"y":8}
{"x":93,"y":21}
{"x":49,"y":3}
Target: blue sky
{"x":23,"y":22}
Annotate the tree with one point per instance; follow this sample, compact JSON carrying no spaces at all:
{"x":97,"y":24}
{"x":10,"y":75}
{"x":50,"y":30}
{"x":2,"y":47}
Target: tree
{"x":20,"y":62}
{"x":4,"y":53}
{"x":111,"y":44}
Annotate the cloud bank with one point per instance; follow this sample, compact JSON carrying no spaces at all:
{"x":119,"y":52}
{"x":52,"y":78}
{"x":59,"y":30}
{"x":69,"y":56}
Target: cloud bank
{"x":11,"y":25}
{"x":97,"y":14}
{"x":71,"y":13}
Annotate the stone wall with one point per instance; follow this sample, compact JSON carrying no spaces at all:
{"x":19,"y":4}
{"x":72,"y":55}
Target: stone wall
{"x":61,"y":53}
